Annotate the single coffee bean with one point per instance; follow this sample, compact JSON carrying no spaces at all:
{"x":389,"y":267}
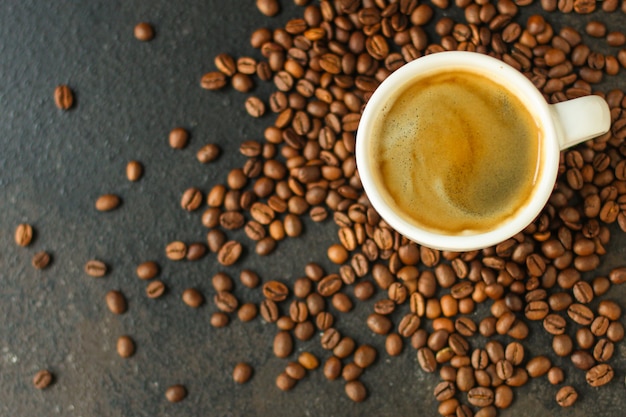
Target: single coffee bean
{"x":566,"y":396}
{"x":43,"y":379}
{"x":63,"y":97}
{"x":295,"y":370}
{"x":107,"y":202}
{"x":155,"y":289}
{"x":41,"y":260}
{"x":95,"y":268}
{"x":242,"y":373}
{"x":144,"y":31}
{"x":226,"y":301}
{"x":208,"y":153}
{"x":192,"y":297}
{"x":284,"y":382}
{"x":356,"y":391}
{"x":125,"y":346}
{"x":480,"y":396}
{"x":229,"y":253}
{"x":219,"y":319}
{"x":599,"y":326}
{"x":610,"y":309}
{"x":308,"y":360}
{"x":599,"y":375}
{"x":562,"y":345}
{"x":268,"y":7}
{"x":332,"y":368}
{"x":538,"y":366}
{"x":556,"y":375}
{"x":176,"y":251}
{"x":580,"y":314}
{"x":603,"y":350}
{"x":175,"y":393}
{"x":134,"y":171}
{"x":247,"y":312}
{"x":23,"y":234}
{"x":213,"y":80}
{"x":379,"y":324}
{"x":178,"y":138}
{"x":344,"y":348}
{"x":426,"y":359}
{"x":283,"y":344}
{"x":275,"y":291}
{"x":269,"y":310}
{"x":514,"y":353}
{"x":191,"y":199}
{"x":116,"y":302}
{"x":582,"y":359}
{"x":444,"y":390}
{"x":195,"y":251}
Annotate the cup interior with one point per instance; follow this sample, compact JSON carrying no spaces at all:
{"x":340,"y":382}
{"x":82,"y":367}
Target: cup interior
{"x":501,"y":73}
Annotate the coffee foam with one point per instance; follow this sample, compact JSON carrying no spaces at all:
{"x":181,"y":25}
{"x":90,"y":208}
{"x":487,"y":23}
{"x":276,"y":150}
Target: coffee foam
{"x":456,"y":166}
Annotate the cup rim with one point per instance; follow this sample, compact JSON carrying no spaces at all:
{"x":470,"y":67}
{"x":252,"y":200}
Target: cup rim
{"x":517,"y":83}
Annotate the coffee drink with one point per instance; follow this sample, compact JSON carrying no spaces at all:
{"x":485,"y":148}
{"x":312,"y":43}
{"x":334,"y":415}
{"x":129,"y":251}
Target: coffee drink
{"x":457,"y":152}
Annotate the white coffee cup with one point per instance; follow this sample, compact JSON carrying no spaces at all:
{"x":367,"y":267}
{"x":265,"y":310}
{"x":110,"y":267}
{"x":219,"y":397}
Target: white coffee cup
{"x":564,"y":124}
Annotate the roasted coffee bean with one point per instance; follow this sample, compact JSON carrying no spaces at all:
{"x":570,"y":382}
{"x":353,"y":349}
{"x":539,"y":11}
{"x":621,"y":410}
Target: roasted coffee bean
{"x":599,"y":375}
{"x":175,"y":393}
{"x":23,"y":234}
{"x":269,"y":310}
{"x":208,"y":153}
{"x":144,"y":31}
{"x":107,"y":202}
{"x":176,"y":251}
{"x":356,"y":391}
{"x":283,"y":344}
{"x":213,"y":80}
{"x":155,"y":289}
{"x":308,"y":361}
{"x":95,"y":268}
{"x":538,"y":366}
{"x":229,"y":253}
{"x":582,"y":359}
{"x":178,"y":138}
{"x":225,"y":301}
{"x":247,"y":312}
{"x":63,"y":97}
{"x":192,"y":297}
{"x":242,"y":372}
{"x":125,"y":346}
{"x":330,"y":338}
{"x":603,"y":350}
{"x":426,"y":359}
{"x":580,"y":314}
{"x":268,"y":7}
{"x":134,"y":171}
{"x":566,"y":396}
{"x":364,"y":356}
{"x":192,"y":199}
{"x":554,"y":324}
{"x":219,"y":319}
{"x":43,"y":379}
{"x":480,"y":396}
{"x":116,"y":302}
{"x":275,"y":291}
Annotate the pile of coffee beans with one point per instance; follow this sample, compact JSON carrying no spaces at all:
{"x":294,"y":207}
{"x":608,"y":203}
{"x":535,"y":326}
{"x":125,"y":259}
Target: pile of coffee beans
{"x":323,"y":67}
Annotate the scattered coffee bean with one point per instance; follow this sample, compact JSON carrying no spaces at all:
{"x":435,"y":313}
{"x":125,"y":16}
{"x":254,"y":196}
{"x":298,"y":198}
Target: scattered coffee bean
{"x":176,"y":251}
{"x":155,"y":289}
{"x":95,"y":268}
{"x":43,"y":379}
{"x":23,"y":234}
{"x":356,"y":391}
{"x":208,"y":153}
{"x":175,"y":393}
{"x":125,"y":346}
{"x":242,"y":373}
{"x":193,"y":298}
{"x":178,"y":138}
{"x":63,"y":97}
{"x":566,"y":396}
{"x":108,"y":202}
{"x":41,"y":260}
{"x":144,"y":31}
{"x":116,"y":302}
{"x":134,"y":171}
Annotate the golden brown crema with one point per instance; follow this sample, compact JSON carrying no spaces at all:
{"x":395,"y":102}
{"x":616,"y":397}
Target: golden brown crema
{"x":457,"y":153}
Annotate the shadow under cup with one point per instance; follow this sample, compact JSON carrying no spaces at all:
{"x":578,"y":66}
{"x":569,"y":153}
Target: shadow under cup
{"x":532,"y":201}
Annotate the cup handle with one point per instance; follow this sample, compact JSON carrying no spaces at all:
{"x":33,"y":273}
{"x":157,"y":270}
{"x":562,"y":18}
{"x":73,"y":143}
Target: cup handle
{"x":581,"y":119}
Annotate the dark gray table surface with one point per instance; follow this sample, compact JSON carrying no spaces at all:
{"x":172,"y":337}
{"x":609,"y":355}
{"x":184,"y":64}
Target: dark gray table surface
{"x":54,"y":164}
